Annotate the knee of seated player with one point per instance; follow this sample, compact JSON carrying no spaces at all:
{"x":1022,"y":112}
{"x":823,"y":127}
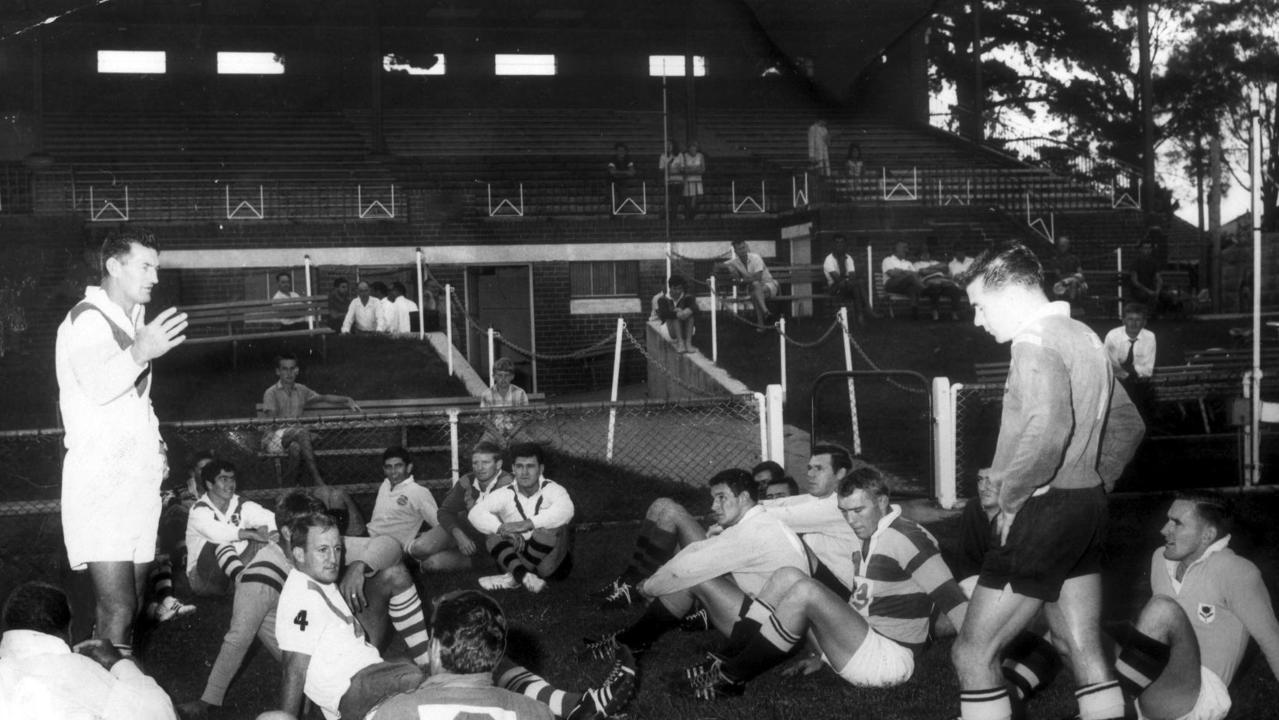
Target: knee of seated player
{"x":665,"y":512}
{"x":393,"y":579}
{"x":1160,"y":618}
{"x":781,"y":582}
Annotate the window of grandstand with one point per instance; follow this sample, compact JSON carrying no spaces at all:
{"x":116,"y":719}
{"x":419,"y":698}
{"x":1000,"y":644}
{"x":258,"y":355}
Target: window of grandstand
{"x":429,"y":64}
{"x":250,"y":63}
{"x":608,"y":278}
{"x":520,"y":64}
{"x":132,"y":62}
{"x":673,"y":66}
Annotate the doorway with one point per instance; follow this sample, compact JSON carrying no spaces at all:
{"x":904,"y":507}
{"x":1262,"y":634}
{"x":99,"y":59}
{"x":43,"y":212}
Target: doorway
{"x":501,"y":297}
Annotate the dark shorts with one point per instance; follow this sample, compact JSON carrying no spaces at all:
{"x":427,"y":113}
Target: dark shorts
{"x":1056,"y":536}
{"x":376,"y":683}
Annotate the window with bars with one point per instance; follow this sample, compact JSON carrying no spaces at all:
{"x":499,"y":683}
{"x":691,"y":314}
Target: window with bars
{"x":604,"y":278}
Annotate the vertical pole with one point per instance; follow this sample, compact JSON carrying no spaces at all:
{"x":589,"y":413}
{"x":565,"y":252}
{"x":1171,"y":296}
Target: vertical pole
{"x":714,"y":321}
{"x":944,"y":443}
{"x":781,"y":348}
{"x":1119,"y":273}
{"x":448,"y":322}
{"x":421,"y":307}
{"x":761,"y":406}
{"x":1254,"y":109}
{"x":491,"y":336}
{"x":666,"y":171}
{"x":852,"y":391}
{"x":870,"y":277}
{"x":668,"y":260}
{"x":306,"y":265}
{"x":776,"y":428}
{"x":453,"y":443}
{"x":617,"y":372}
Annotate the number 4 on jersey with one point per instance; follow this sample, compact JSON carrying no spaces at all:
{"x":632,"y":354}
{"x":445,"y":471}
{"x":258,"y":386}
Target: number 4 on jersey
{"x":300,"y":620}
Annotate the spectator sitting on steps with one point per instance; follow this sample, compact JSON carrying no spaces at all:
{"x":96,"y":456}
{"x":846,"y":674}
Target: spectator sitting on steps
{"x":676,"y":310}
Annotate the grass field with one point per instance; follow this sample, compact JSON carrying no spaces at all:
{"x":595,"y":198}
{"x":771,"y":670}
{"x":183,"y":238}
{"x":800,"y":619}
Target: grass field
{"x":551,"y":625}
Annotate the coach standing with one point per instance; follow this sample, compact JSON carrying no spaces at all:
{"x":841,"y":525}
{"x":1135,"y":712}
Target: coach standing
{"x":115,"y":458}
{"x":1052,"y":506}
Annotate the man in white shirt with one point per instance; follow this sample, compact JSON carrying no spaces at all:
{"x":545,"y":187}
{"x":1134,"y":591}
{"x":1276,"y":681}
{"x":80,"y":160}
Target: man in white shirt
{"x":284,"y":291}
{"x":749,"y":271}
{"x":746,"y":546}
{"x":41,"y":676}
{"x":842,"y":282}
{"x":115,"y":459}
{"x":399,"y":318}
{"x":900,"y":276}
{"x":402,"y":506}
{"x":364,"y":314}
{"x":380,"y":293}
{"x":1131,"y":349}
{"x":224,"y":531}
{"x":526,"y":525}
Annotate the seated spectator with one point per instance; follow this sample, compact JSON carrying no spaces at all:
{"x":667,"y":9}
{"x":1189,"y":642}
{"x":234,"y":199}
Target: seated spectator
{"x":959,"y":262}
{"x":752,"y":275}
{"x":42,"y":676}
{"x":503,"y":393}
{"x":676,"y":310}
{"x":693,"y":163}
{"x":526,"y":526}
{"x":284,"y":291}
{"x":621,"y":167}
{"x":842,"y":282}
{"x":364,"y":313}
{"x":670,"y":164}
{"x":786,"y":487}
{"x":935,"y":276}
{"x":287,"y":399}
{"x":900,"y":276}
{"x":401,"y":309}
{"x":339,"y":302}
{"x":1066,"y":275}
{"x":767,"y":473}
{"x":1131,"y":349}
{"x":1144,"y":282}
{"x":853,"y":164}
{"x":224,"y":532}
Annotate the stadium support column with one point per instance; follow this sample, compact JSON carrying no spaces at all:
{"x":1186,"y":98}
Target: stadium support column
{"x":690,"y":110}
{"x":1252,"y":469}
{"x":1147,"y":109}
{"x":375,"y":80}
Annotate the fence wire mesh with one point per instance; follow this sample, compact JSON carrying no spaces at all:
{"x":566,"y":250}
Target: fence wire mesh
{"x":679,"y":440}
{"x":977,"y":412}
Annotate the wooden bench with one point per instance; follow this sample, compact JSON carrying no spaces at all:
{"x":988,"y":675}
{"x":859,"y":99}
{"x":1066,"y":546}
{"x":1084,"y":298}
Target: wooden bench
{"x":1236,"y":360}
{"x":786,"y":276}
{"x":890,"y":300}
{"x":249,"y":320}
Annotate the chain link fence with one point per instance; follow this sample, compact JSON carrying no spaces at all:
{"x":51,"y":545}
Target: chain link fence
{"x":684,"y":441}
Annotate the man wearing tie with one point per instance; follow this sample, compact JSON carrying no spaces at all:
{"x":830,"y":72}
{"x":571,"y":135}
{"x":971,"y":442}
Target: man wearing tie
{"x":1131,"y":349}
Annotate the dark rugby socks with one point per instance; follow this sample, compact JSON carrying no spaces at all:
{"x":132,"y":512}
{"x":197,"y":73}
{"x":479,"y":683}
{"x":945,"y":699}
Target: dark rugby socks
{"x":229,"y":561}
{"x":655,"y":621}
{"x":652,"y":549}
{"x":1141,"y":661}
{"x":767,"y":648}
{"x":1030,"y":664}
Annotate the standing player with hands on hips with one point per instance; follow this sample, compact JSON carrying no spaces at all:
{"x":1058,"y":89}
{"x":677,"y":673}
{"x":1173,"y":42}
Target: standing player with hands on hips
{"x":115,"y":458}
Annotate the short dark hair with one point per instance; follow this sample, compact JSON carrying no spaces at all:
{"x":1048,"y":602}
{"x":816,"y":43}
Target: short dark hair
{"x":284,"y":274}
{"x":285,"y":356}
{"x":294,"y":504}
{"x":868,"y":479}
{"x":788,"y":481}
{"x":677,"y":281}
{"x":528,"y":449}
{"x":1213,"y":508}
{"x":339,"y":282}
{"x":620,"y":145}
{"x":120,"y":242}
{"x":838,"y":237}
{"x":737,"y":480}
{"x":839,"y":457}
{"x":471,"y":630}
{"x":379,"y":286}
{"x":399,"y":287}
{"x":396,"y":451}
{"x":1137,"y":307}
{"x":210,"y":471}
{"x":39,"y":607}
{"x":1013,"y":265}
{"x":738,"y":241}
{"x":487,"y":447}
{"x":775,"y":472}
{"x":300,"y":526}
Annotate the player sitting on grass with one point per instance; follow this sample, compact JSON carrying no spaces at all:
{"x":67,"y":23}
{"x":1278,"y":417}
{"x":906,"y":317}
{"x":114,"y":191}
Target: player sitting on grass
{"x":328,"y":656}
{"x":402,"y":505}
{"x":526,"y":525}
{"x":224,"y":531}
{"x":451,"y":545}
{"x":871,"y":638}
{"x":716,"y":570}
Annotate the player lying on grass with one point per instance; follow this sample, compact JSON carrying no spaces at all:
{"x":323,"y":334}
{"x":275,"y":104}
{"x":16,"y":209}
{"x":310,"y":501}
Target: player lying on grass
{"x":714,"y":571}
{"x":328,"y":657}
{"x":869,"y":639}
{"x":224,"y":531}
{"x":526,"y":525}
{"x":814,"y":516}
{"x":451,"y":545}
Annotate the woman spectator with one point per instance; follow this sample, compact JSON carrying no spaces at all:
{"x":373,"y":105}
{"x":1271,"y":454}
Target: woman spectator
{"x":693,"y":163}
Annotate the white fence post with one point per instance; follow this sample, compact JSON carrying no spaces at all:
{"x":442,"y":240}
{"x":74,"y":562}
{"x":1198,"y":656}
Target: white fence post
{"x":1119,"y":273}
{"x":944,"y":443}
{"x":714,"y":321}
{"x":310,"y":317}
{"x":617,"y":370}
{"x":448,"y":322}
{"x":761,"y":405}
{"x":421,"y":312}
{"x":492,"y":345}
{"x":781,"y":348}
{"x":453,"y":444}
{"x":852,"y":390}
{"x":776,"y":428}
{"x":870,"y":276}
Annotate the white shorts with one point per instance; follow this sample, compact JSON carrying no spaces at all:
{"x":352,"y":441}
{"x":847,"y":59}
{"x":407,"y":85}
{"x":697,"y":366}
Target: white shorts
{"x":879,"y":662}
{"x":111,"y":507}
{"x":1213,"y":702}
{"x":377,"y":552}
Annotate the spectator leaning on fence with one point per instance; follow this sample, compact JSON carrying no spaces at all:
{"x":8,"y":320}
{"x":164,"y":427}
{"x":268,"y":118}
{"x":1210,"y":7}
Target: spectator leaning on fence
{"x":286,"y":400}
{"x":115,"y":459}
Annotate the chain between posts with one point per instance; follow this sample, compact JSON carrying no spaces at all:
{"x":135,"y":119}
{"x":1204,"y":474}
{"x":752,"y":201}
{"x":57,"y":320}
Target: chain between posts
{"x":871,"y":363}
{"x":808,"y":345}
{"x":591,"y":349}
{"x":662,"y":368}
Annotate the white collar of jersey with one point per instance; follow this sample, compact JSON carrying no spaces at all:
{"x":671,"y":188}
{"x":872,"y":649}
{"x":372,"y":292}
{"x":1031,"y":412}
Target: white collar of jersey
{"x":96,"y":296}
{"x":1056,"y":307}
{"x":894,"y":512}
{"x":1211,"y":550}
{"x":401,"y":483}
{"x":757,"y":509}
{"x":234,"y":501}
{"x":18,"y":644}
{"x":541,"y":483}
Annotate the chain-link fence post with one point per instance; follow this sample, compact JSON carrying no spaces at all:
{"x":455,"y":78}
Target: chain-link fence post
{"x":617,"y":369}
{"x":944,"y":443}
{"x":776,"y":436}
{"x":456,"y":455}
{"x":761,"y":404}
{"x":448,"y":322}
{"x":714,"y":321}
